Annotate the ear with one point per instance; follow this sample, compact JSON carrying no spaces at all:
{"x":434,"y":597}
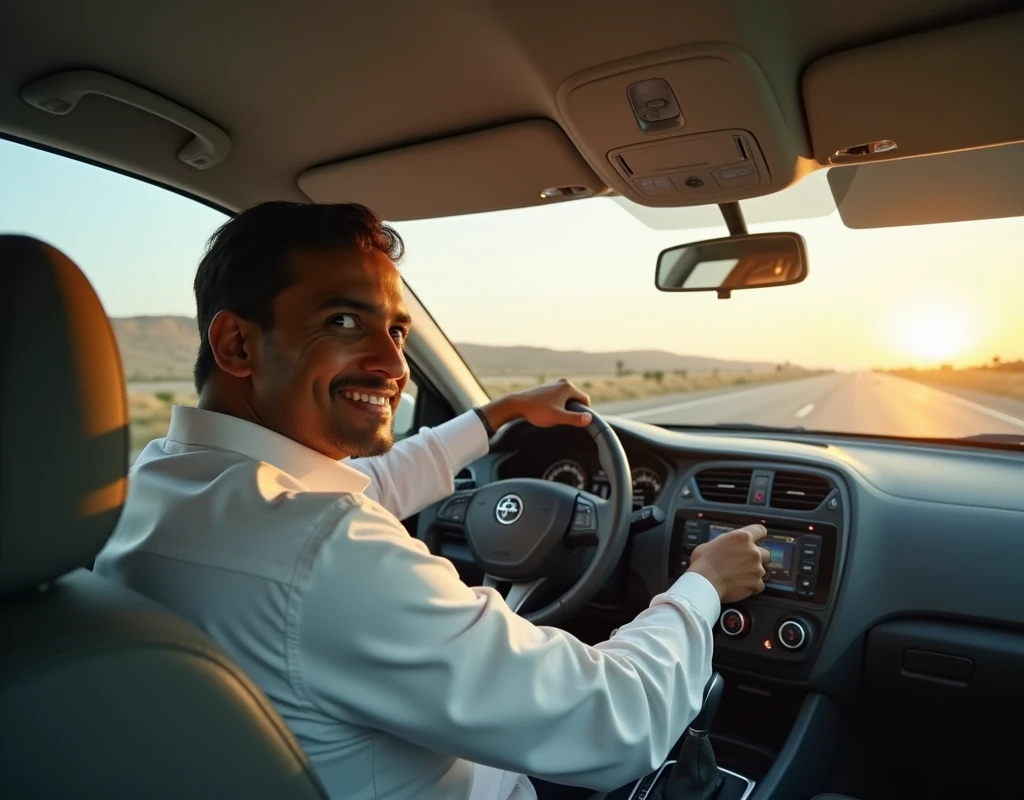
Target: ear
{"x":233,"y":341}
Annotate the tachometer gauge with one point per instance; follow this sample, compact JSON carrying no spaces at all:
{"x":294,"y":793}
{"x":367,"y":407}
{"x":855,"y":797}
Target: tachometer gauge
{"x":646,"y":486}
{"x":568,"y":472}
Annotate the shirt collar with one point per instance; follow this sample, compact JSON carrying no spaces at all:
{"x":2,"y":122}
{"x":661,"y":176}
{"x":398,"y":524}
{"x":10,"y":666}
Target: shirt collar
{"x":196,"y":426}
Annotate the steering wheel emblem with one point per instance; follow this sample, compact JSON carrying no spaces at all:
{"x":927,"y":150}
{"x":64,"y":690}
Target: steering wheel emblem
{"x":509,"y":509}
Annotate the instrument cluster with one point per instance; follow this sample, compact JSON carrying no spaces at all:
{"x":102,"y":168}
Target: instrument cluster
{"x":647,"y":482}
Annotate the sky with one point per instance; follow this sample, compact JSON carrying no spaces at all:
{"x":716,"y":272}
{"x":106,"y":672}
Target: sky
{"x":580,"y":275}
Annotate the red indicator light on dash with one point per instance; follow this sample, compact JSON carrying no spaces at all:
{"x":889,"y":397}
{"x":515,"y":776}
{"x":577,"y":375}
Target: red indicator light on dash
{"x":767,"y":644}
{"x":810,"y":527}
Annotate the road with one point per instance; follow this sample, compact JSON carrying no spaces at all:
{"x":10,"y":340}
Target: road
{"x":860,"y":402}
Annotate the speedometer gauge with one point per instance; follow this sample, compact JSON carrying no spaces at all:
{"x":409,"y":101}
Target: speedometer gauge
{"x":567,"y":472}
{"x":646,"y":486}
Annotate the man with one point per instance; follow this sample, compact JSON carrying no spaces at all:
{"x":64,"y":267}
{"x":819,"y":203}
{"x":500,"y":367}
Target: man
{"x":269,"y":516}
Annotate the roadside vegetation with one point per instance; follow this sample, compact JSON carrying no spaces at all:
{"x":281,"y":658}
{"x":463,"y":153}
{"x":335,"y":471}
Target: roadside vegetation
{"x":628,"y":385}
{"x":996,"y":377}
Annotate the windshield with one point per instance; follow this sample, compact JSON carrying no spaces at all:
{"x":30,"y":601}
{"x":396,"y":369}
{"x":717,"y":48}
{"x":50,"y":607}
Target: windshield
{"x":907,"y":331}
{"x":914,"y":331}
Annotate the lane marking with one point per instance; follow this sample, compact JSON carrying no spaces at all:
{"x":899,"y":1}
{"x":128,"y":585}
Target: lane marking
{"x":803,"y":412}
{"x":961,"y":401}
{"x":702,"y":401}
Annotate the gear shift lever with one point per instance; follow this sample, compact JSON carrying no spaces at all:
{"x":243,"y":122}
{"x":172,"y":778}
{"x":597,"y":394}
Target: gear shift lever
{"x":695,"y":774}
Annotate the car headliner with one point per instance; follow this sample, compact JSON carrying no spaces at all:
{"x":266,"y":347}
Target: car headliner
{"x":304,"y":84}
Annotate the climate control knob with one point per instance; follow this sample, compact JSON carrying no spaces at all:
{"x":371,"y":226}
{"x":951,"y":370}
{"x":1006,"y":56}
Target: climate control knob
{"x":793,"y":634}
{"x":734,"y":623}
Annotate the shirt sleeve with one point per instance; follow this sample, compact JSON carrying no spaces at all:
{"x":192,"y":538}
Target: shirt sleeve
{"x":390,"y":638}
{"x":420,"y":470}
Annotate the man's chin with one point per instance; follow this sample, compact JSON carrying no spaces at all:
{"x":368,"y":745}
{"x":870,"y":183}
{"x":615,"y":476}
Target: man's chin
{"x":368,"y":444}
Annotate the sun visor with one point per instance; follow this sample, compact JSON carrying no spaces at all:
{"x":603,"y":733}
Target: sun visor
{"x":499,"y":168}
{"x":951,"y":89}
{"x":950,"y":187}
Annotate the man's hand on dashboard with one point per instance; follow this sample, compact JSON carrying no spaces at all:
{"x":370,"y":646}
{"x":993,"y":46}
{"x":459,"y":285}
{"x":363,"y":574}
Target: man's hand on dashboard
{"x":733,"y":563}
{"x":543,"y":406}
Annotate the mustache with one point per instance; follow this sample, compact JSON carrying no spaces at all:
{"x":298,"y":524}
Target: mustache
{"x":365,"y":382}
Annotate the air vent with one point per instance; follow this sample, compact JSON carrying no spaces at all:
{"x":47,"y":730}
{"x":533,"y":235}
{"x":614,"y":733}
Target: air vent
{"x":799,"y":491}
{"x":465,"y":480}
{"x":724,"y":485}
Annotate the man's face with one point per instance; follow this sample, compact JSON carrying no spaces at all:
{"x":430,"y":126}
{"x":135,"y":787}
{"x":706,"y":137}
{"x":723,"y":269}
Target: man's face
{"x":331,"y":370}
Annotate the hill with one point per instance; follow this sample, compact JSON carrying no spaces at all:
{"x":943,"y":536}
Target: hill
{"x":164,"y":348}
{"x":491,"y":361}
{"x":157,"y":348}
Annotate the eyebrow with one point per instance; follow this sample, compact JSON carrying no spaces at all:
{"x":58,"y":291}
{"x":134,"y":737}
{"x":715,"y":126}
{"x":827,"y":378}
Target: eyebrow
{"x":339,"y":301}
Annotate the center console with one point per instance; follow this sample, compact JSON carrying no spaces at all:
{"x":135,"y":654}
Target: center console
{"x":777,"y":632}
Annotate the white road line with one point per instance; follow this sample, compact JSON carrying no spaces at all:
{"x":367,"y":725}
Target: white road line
{"x":803,"y":412}
{"x":991,"y":412}
{"x":703,"y":401}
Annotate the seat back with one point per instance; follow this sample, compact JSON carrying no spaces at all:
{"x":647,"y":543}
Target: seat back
{"x":103,"y":693}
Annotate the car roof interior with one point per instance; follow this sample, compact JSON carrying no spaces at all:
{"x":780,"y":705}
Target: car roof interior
{"x":424,"y":110}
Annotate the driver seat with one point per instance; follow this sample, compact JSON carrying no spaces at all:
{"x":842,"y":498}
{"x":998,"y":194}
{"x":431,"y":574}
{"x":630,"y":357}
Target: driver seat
{"x":104,"y":694}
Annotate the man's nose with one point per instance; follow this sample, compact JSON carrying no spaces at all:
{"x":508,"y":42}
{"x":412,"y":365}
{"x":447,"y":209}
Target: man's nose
{"x":386,"y":357}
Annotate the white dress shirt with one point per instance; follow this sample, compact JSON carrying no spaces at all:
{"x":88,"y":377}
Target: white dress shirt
{"x":396,"y":678}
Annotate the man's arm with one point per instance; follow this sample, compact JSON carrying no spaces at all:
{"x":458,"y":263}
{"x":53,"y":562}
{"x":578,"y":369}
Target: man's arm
{"x":389,"y":637}
{"x":420,"y":470}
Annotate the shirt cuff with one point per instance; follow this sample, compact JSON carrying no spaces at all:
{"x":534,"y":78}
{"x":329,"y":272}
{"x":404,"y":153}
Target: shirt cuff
{"x":696,"y":590}
{"x":463,"y":438}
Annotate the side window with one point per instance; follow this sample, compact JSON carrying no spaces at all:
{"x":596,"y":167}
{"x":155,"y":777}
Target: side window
{"x":139,"y":245}
{"x":405,"y":417}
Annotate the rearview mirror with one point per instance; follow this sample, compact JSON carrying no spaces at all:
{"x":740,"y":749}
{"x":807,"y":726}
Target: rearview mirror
{"x":751,"y":261}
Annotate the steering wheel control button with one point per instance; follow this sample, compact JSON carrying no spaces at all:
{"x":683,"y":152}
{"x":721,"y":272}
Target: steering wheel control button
{"x":734,"y":622}
{"x":509,"y":509}
{"x":454,"y":509}
{"x":584,"y":519}
{"x":792,"y":634}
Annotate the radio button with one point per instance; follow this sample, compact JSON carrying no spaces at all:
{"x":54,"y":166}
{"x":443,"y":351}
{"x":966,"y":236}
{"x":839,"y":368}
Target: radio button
{"x":734,"y":623}
{"x":807,"y":569}
{"x":805,"y":585}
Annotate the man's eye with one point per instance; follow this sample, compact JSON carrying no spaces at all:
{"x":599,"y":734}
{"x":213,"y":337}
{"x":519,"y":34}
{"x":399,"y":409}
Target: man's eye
{"x":400,"y":335}
{"x":344,"y":321}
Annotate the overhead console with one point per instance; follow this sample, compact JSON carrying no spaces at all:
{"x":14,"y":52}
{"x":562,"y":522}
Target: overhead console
{"x":690,"y":126}
{"x":804,"y":511}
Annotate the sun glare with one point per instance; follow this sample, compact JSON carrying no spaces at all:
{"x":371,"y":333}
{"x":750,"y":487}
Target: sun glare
{"x":935,"y":335}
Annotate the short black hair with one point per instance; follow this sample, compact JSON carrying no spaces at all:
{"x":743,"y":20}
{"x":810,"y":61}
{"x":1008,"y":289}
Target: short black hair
{"x":246,"y":262}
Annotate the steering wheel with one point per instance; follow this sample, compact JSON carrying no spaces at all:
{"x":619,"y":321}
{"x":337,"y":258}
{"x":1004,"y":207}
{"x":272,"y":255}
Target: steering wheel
{"x":521,"y":530}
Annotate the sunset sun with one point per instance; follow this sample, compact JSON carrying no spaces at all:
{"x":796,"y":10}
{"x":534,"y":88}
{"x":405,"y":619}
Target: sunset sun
{"x":934,"y":335}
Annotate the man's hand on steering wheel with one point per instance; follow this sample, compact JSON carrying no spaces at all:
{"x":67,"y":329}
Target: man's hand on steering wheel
{"x":542,"y":406}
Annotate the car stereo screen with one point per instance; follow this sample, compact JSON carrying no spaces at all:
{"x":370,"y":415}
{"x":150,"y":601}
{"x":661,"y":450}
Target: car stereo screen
{"x":782,"y":548}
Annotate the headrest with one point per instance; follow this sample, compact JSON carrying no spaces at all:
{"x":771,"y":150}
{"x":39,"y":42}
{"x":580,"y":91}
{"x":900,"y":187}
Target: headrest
{"x":63,"y":417}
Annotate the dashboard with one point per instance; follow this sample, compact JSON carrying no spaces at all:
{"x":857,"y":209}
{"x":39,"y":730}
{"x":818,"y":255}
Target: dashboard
{"x":864,"y":535}
{"x":576,"y":465}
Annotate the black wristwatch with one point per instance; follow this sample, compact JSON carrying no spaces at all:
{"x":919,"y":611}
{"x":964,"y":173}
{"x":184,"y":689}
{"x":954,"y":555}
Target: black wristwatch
{"x":483,"y":419}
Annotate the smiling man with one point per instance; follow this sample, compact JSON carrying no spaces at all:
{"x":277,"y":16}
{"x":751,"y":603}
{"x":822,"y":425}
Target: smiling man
{"x":269,"y":516}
